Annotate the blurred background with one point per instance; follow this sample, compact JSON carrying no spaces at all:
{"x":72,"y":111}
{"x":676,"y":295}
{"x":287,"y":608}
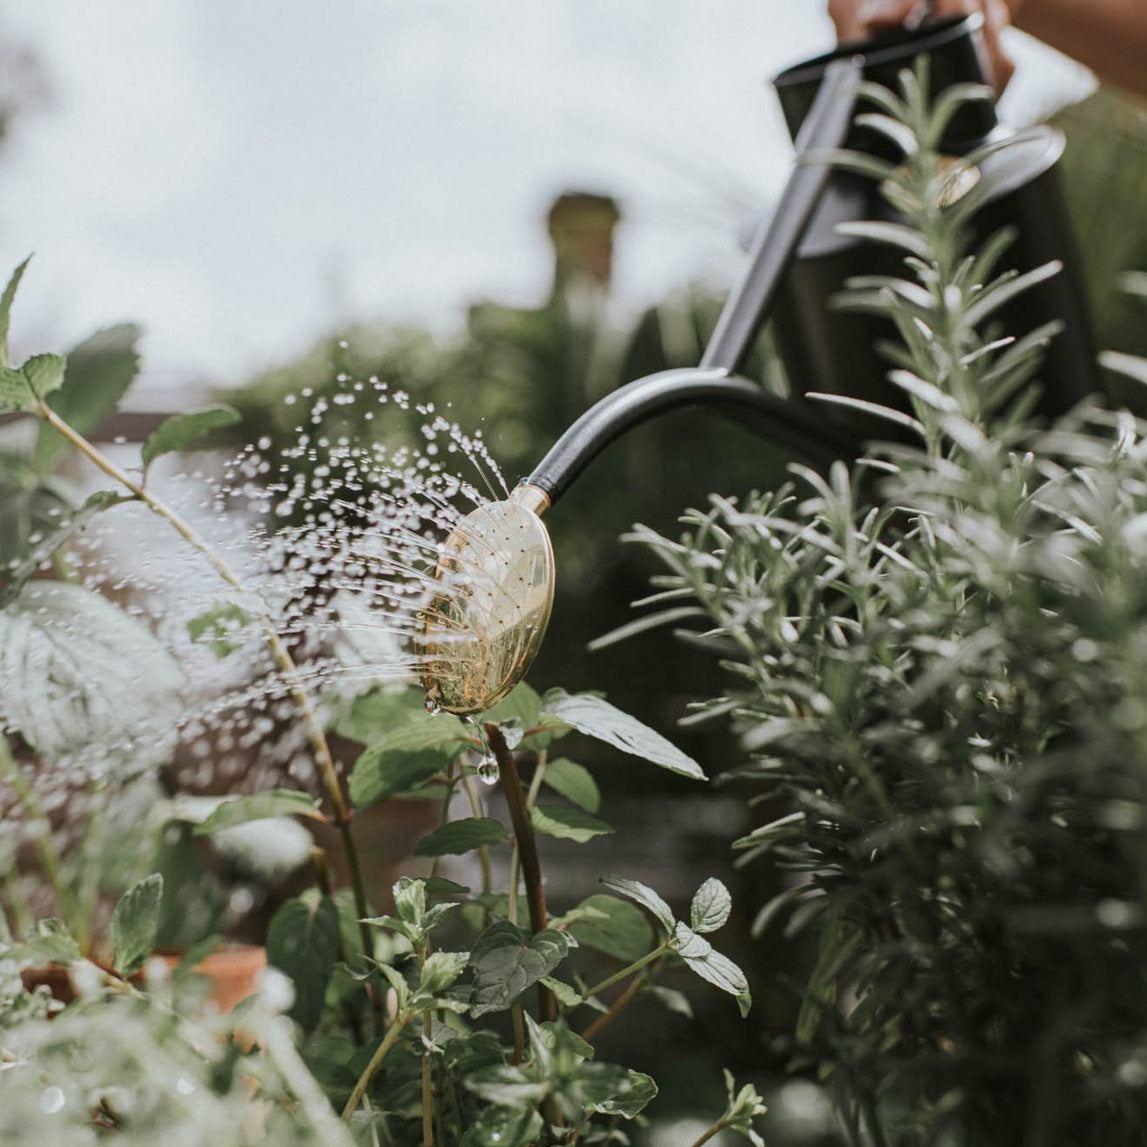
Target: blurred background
{"x":510,"y":208}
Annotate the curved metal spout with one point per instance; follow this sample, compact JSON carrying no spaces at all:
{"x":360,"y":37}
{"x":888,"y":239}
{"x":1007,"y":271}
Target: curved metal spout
{"x":798,"y":427}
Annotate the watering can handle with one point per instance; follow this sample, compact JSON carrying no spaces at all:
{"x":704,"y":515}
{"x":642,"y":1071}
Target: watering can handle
{"x":747,"y":308}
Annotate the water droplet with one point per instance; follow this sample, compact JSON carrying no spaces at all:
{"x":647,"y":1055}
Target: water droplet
{"x":52,"y":1100}
{"x":432,"y":706}
{"x":488,"y":771}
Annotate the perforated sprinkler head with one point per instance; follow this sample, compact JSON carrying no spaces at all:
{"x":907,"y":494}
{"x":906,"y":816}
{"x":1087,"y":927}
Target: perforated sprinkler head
{"x":482,"y":629}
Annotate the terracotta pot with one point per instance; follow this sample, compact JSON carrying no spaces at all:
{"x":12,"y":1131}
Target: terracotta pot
{"x":232,"y":969}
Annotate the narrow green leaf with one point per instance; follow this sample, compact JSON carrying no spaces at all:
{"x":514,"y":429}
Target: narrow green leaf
{"x":257,"y":806}
{"x":181,"y":431}
{"x":574,"y":782}
{"x":671,"y":999}
{"x":135,"y":923}
{"x":599,"y":719}
{"x":303,"y":943}
{"x":645,"y":896}
{"x":565,"y":994}
{"x":711,"y":906}
{"x":567,"y":823}
{"x":460,"y":836}
{"x":6,"y":300}
{"x":710,"y":965}
{"x":506,"y":963}
{"x":617,"y":927}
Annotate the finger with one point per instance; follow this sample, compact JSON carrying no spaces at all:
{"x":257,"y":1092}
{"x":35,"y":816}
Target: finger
{"x":859,"y":19}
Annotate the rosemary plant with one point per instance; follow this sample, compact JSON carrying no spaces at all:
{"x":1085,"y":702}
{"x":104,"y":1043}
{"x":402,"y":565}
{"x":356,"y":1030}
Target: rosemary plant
{"x":945,"y":686}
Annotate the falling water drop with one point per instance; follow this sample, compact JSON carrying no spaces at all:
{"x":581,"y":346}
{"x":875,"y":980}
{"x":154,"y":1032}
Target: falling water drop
{"x":488,"y":771}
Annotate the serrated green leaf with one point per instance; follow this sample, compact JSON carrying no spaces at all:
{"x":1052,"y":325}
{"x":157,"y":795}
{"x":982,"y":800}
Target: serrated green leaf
{"x":575,"y":782}
{"x":441,"y":970}
{"x":303,"y":943}
{"x":45,"y":373}
{"x":709,"y":964}
{"x":257,"y":806}
{"x":100,"y":371}
{"x":405,"y":758}
{"x":15,"y":393}
{"x":458,"y":836}
{"x":742,"y":1108}
{"x":643,"y":895}
{"x":181,"y":431}
{"x":6,"y":300}
{"x":567,"y":823}
{"x":409,"y":894}
{"x":506,"y":1086}
{"x":711,"y":906}
{"x":506,"y":962}
{"x":217,"y":626}
{"x":500,"y":1126}
{"x":597,"y":718}
{"x":565,"y":994}
{"x":49,"y":941}
{"x":609,"y":1089}
{"x":135,"y":924}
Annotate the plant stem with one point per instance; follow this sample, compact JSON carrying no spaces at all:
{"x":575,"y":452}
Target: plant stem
{"x":628,"y":970}
{"x":380,"y":1053}
{"x":604,"y":1020}
{"x":527,"y":850}
{"x":427,"y":1086}
{"x":280,"y":655}
{"x":708,"y":1134}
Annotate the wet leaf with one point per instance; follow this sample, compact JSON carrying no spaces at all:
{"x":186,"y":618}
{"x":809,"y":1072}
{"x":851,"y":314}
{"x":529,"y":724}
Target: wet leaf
{"x":506,"y":962}
{"x":181,"y":431}
{"x":135,"y":924}
{"x":460,"y":836}
{"x":610,"y":1089}
{"x":597,"y":718}
{"x":303,"y":943}
{"x":504,"y":1125}
{"x":218,"y":626}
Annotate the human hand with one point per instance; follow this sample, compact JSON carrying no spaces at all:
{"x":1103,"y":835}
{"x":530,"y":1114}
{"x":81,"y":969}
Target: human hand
{"x":860,"y":19}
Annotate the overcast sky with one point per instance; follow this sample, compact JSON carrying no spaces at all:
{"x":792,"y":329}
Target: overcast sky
{"x":238,"y":175}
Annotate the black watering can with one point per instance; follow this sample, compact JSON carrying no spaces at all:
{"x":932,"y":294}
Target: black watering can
{"x":497,"y":567}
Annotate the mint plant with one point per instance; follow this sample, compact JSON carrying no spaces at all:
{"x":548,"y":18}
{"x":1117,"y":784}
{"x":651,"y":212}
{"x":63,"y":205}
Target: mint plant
{"x":458,"y":1014}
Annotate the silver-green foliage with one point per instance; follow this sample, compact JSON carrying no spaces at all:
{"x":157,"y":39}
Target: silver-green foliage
{"x":939,"y":667}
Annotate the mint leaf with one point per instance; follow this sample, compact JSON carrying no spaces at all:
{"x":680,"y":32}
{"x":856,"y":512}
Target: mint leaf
{"x":710,"y":965}
{"x":599,"y":719}
{"x":181,"y":431}
{"x":711,"y":906}
{"x":460,"y":836}
{"x":100,"y":371}
{"x":574,"y":782}
{"x":303,"y":943}
{"x":506,"y":963}
{"x":257,"y":806}
{"x":619,"y":928}
{"x":45,"y":373}
{"x":217,"y":627}
{"x":612,"y":1090}
{"x":405,"y":758}
{"x":567,"y":823}
{"x":441,"y":970}
{"x":6,"y":300}
{"x":135,"y":923}
{"x":643,"y":895}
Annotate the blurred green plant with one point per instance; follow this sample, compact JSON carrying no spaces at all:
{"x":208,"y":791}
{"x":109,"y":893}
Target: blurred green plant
{"x":942,"y":695}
